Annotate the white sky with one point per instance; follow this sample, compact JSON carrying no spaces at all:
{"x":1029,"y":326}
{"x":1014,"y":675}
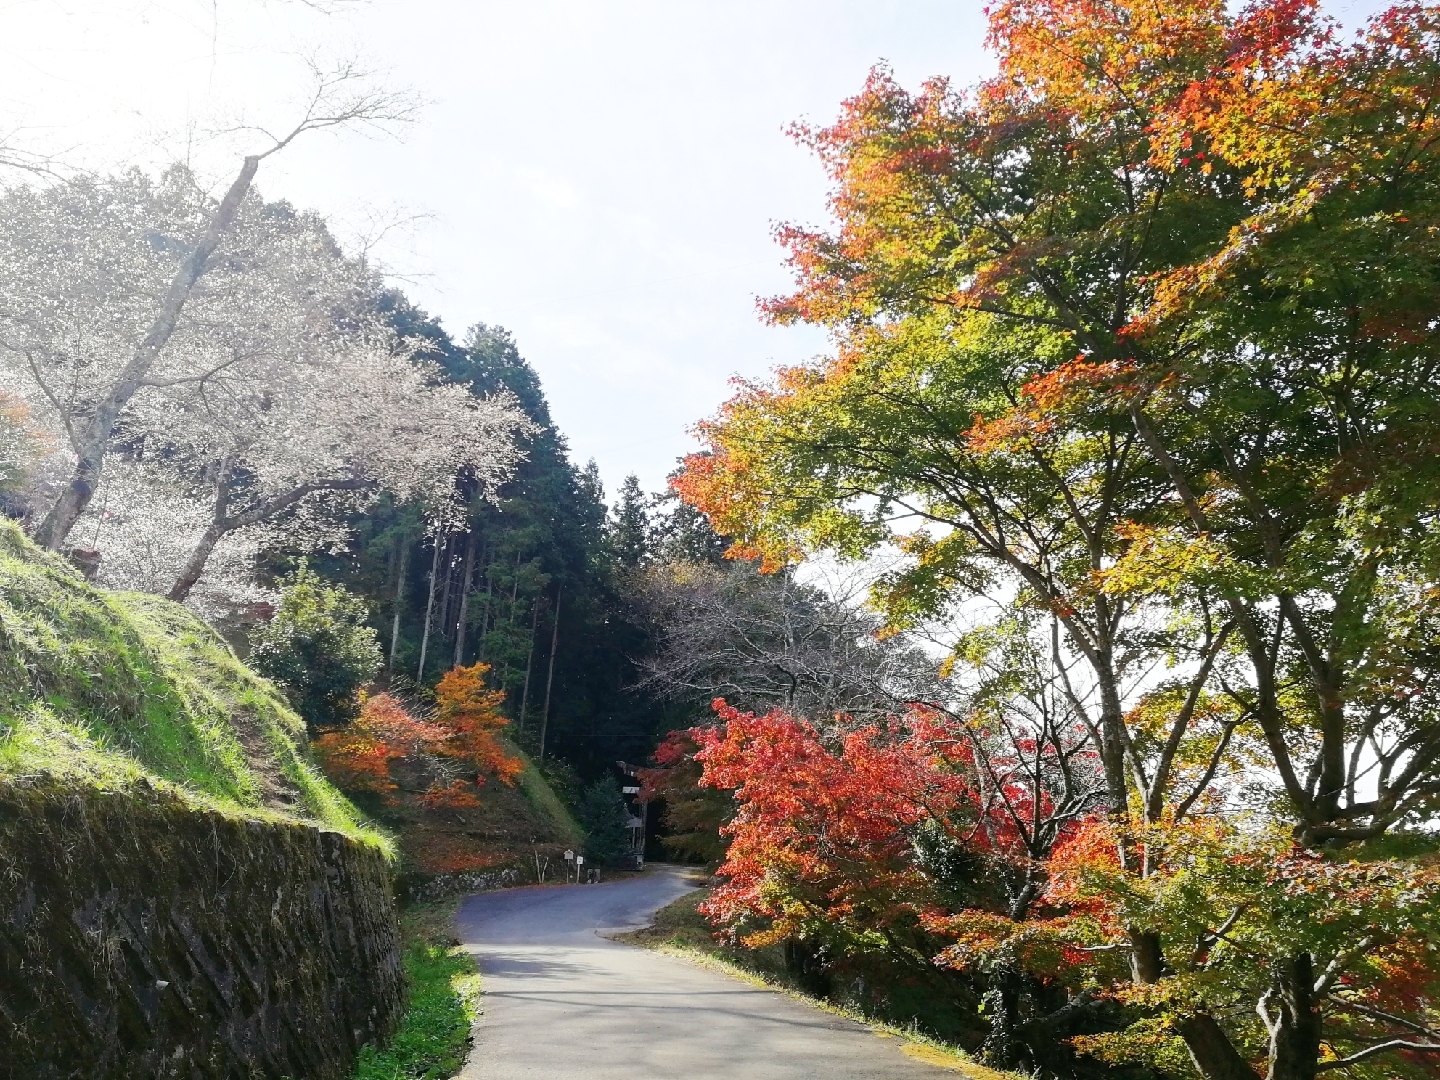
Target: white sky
{"x":599,"y":177}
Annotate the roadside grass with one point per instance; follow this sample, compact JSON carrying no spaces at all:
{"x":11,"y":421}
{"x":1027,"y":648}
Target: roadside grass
{"x":678,"y":929}
{"x":444,"y":993}
{"x":543,"y":797}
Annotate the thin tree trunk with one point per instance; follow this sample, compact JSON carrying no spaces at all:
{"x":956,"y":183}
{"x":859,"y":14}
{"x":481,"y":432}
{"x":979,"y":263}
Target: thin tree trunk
{"x":485,"y":614}
{"x":444,"y":620}
{"x":429,"y":611}
{"x":550,"y":675}
{"x":470,"y":545}
{"x":195,"y":565}
{"x":90,"y":440}
{"x":399,"y":602}
{"x":529,"y":656}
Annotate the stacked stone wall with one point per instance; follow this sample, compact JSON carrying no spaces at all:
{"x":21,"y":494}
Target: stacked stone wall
{"x":142,"y":937}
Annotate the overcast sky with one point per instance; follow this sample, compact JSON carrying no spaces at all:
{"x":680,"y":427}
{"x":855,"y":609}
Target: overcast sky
{"x":598,"y":177}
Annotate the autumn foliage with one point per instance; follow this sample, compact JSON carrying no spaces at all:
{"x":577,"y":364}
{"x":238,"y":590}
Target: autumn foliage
{"x":459,"y":732}
{"x":471,"y":714}
{"x":822,"y":832}
{"x":1135,"y":343}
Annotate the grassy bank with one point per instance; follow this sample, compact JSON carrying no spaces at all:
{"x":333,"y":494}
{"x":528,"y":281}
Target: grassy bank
{"x":444,"y":991}
{"x":107,"y":689}
{"x":680,"y":930}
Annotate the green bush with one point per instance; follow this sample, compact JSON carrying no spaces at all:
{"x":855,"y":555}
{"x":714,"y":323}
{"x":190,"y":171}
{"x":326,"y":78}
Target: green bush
{"x":318,"y":649}
{"x":602,"y":815}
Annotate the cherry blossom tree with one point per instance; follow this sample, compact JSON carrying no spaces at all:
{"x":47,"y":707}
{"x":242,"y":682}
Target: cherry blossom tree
{"x":297,"y":447}
{"x":113,"y":285}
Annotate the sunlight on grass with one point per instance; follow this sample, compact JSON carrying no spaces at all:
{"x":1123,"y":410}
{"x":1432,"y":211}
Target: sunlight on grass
{"x":444,"y":994}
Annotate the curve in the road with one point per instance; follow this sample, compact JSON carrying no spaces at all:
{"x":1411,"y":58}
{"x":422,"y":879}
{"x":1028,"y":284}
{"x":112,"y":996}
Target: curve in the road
{"x":561,"y":1001}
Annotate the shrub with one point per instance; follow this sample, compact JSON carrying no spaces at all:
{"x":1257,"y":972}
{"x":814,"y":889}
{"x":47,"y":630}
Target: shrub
{"x":318,"y":649}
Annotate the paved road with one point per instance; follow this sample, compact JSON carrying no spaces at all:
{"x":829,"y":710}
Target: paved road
{"x":562,"y":1002}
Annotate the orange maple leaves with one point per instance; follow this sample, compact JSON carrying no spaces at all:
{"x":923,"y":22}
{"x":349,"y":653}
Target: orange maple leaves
{"x":461,"y":728}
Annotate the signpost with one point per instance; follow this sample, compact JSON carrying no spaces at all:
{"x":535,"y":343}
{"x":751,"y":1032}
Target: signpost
{"x":569,"y":863}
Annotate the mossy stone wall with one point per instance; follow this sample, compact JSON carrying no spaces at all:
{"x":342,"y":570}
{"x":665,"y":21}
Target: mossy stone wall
{"x":141,"y":936}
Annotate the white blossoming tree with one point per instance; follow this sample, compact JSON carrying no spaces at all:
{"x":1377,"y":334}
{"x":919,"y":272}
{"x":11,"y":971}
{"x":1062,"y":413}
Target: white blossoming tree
{"x":110,"y":286}
{"x":296,"y":447}
{"x":281,"y":404}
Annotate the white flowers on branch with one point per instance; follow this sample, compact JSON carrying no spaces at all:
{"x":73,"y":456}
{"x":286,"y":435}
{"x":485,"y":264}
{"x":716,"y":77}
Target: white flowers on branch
{"x":280,"y":402}
{"x":148,"y":528}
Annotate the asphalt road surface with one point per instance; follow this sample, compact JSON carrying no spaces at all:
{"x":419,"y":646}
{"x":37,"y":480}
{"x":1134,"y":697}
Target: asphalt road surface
{"x":561,"y":1001}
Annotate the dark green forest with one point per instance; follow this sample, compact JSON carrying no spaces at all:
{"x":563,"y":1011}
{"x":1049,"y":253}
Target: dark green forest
{"x":535,"y":585}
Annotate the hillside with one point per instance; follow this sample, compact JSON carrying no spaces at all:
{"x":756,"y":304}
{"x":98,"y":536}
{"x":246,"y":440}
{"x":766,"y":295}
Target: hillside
{"x":494,"y":842}
{"x":188,"y":895}
{"x":106,"y":689}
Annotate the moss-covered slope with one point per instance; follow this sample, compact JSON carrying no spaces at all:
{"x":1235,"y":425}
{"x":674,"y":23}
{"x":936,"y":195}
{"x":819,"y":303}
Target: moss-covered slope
{"x":102,"y":689}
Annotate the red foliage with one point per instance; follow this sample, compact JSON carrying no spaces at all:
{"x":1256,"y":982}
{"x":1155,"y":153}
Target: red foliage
{"x":835,"y":823}
{"x":359,"y":756}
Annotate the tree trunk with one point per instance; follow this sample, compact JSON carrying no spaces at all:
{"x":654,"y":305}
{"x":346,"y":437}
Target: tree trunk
{"x":529,"y":656}
{"x":429,"y":611}
{"x":195,"y":565}
{"x":1211,"y":1050}
{"x":399,"y":602}
{"x":1002,"y":1048}
{"x":91,"y":439}
{"x":485,"y":612}
{"x":460,"y":627}
{"x":449,"y":560}
{"x":550,"y":676}
{"x":1295,"y":1026}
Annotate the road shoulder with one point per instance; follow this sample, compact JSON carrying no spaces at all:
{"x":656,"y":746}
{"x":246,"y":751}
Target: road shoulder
{"x":677,"y":930}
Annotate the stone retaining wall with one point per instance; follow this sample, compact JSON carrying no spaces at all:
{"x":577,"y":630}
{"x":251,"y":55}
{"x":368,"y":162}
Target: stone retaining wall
{"x":140,"y":938}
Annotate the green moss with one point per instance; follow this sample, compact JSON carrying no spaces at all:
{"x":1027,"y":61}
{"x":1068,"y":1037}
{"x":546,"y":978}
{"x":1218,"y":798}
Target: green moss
{"x":444,"y":992}
{"x":107,"y":688}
